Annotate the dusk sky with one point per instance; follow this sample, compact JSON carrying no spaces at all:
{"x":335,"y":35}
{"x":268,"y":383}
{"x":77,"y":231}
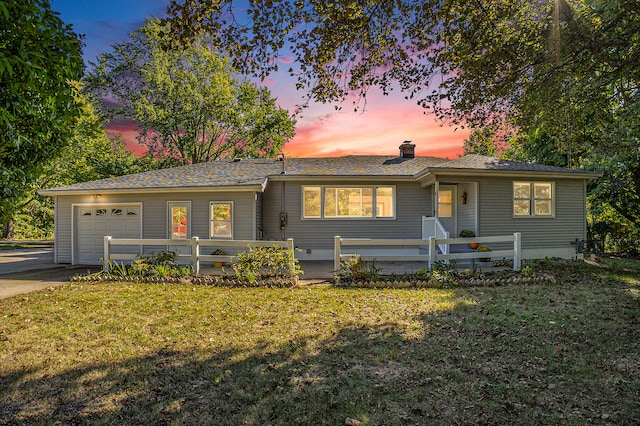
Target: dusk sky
{"x":321,"y":131}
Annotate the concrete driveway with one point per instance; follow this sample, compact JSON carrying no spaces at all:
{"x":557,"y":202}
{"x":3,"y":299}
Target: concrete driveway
{"x":26,"y":270}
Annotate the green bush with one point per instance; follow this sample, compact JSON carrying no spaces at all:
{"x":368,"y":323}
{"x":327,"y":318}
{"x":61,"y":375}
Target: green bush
{"x":265,"y":262}
{"x":358,"y":269}
{"x":161,"y":264}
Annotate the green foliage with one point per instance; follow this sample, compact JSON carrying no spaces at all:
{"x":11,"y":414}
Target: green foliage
{"x":40,"y":56}
{"x":188,"y":102}
{"x":357,"y":269}
{"x":482,"y":142}
{"x":467,"y":233}
{"x":483,"y":249}
{"x":156,"y":264}
{"x":259,"y":263}
{"x":89,"y":155}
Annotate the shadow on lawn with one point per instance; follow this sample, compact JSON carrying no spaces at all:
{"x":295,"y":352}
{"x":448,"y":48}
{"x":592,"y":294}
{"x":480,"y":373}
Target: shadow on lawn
{"x":483,"y":363}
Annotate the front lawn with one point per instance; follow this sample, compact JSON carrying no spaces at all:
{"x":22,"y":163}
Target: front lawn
{"x":564,"y":353}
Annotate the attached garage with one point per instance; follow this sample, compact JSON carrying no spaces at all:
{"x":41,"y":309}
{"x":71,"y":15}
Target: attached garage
{"x":93,"y":222}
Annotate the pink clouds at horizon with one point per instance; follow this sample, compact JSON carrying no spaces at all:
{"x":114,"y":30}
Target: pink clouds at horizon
{"x":321,"y":131}
{"x":378,"y":131}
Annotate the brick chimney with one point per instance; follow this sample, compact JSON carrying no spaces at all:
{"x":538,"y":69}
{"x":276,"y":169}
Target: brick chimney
{"x":407,"y":150}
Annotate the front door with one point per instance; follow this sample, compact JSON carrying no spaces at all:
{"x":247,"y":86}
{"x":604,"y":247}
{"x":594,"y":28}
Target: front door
{"x":447,"y":208}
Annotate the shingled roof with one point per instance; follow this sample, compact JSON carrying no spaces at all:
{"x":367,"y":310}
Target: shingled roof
{"x":483,"y":162}
{"x":254,"y":173}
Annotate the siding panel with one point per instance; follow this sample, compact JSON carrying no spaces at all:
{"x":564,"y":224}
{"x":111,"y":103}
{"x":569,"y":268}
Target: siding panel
{"x":496,"y":214}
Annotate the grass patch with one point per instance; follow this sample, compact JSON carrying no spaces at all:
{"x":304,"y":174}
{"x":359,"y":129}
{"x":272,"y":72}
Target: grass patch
{"x":19,"y":245}
{"x":103,"y":353}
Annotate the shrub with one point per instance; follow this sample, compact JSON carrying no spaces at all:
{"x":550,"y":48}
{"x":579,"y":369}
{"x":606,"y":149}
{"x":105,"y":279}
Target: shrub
{"x":467,"y":233}
{"x":265,"y":262}
{"x":358,"y":269}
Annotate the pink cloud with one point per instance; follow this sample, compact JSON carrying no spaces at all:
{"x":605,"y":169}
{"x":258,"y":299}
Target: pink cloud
{"x":380,"y":129}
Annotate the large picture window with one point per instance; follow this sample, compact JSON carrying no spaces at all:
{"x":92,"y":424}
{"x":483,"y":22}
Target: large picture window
{"x":533,"y":199}
{"x":222,"y":220}
{"x":337,"y":202}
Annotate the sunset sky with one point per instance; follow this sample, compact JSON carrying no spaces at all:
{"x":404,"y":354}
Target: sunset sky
{"x":321,"y":131}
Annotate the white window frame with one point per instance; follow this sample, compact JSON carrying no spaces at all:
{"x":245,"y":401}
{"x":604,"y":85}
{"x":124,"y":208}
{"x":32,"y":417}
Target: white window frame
{"x":170,"y":206}
{"x":373,"y":188}
{"x":532,"y":200}
{"x":211,"y":221}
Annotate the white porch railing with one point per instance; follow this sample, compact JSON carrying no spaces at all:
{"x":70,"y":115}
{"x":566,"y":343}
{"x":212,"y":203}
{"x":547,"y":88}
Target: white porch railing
{"x":432,"y":255}
{"x":431,"y":227}
{"x":194,"y":243}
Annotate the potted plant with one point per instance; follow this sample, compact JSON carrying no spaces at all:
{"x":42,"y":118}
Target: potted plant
{"x":218,"y":252}
{"x":484,"y":249}
{"x":468,"y":233}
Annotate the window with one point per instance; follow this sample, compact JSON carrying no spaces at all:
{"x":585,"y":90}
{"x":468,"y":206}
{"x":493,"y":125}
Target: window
{"x":312,"y":206}
{"x":331,"y":202}
{"x":445,"y":203}
{"x":221,"y":219}
{"x":179,"y":226}
{"x":533,"y":199}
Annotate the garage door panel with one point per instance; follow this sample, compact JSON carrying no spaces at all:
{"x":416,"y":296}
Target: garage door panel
{"x":103,"y":220}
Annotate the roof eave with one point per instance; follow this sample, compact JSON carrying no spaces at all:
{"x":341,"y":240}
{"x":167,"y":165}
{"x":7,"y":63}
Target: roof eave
{"x":323,"y":178}
{"x":226,"y":188}
{"x":507,"y":173}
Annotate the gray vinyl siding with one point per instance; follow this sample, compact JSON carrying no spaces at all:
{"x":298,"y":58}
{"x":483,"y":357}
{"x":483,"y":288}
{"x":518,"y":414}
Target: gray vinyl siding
{"x":412,"y":202}
{"x":496,"y":213}
{"x":467,"y":212}
{"x":259,"y":221}
{"x":155,"y":215}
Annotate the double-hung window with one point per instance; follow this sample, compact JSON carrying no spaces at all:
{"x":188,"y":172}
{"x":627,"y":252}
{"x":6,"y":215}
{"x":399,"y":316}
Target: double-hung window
{"x":221,"y":219}
{"x":533,"y":199}
{"x":341,"y":202}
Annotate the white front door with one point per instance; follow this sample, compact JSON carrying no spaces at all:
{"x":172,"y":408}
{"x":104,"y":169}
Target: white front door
{"x":446,"y":211}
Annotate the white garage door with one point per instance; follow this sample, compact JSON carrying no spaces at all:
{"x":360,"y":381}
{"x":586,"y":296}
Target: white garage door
{"x":93,"y":223}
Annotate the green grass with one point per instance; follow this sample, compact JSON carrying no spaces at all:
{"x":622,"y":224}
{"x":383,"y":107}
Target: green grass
{"x":566,"y":353}
{"x":10,"y":245}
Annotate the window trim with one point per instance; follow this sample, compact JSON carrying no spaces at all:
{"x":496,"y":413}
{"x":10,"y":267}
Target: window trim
{"x":374,"y":215}
{"x":211,"y":203}
{"x":170,"y":206}
{"x":532,"y":200}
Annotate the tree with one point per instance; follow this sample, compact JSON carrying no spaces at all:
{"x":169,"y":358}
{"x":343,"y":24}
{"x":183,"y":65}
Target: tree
{"x":39,"y":57}
{"x":482,"y":142}
{"x":89,"y":155}
{"x":470,"y":61}
{"x":188,"y":103}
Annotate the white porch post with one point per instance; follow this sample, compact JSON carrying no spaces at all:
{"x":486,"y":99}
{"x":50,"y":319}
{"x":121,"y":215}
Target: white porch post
{"x":336,"y":256}
{"x":517,"y":249}
{"x":292,"y":262}
{"x":195,"y":254}
{"x":432,"y":251}
{"x":105,"y":259}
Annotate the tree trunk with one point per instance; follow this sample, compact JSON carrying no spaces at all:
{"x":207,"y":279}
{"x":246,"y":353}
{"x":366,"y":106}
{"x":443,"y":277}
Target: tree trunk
{"x":8,"y":232}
